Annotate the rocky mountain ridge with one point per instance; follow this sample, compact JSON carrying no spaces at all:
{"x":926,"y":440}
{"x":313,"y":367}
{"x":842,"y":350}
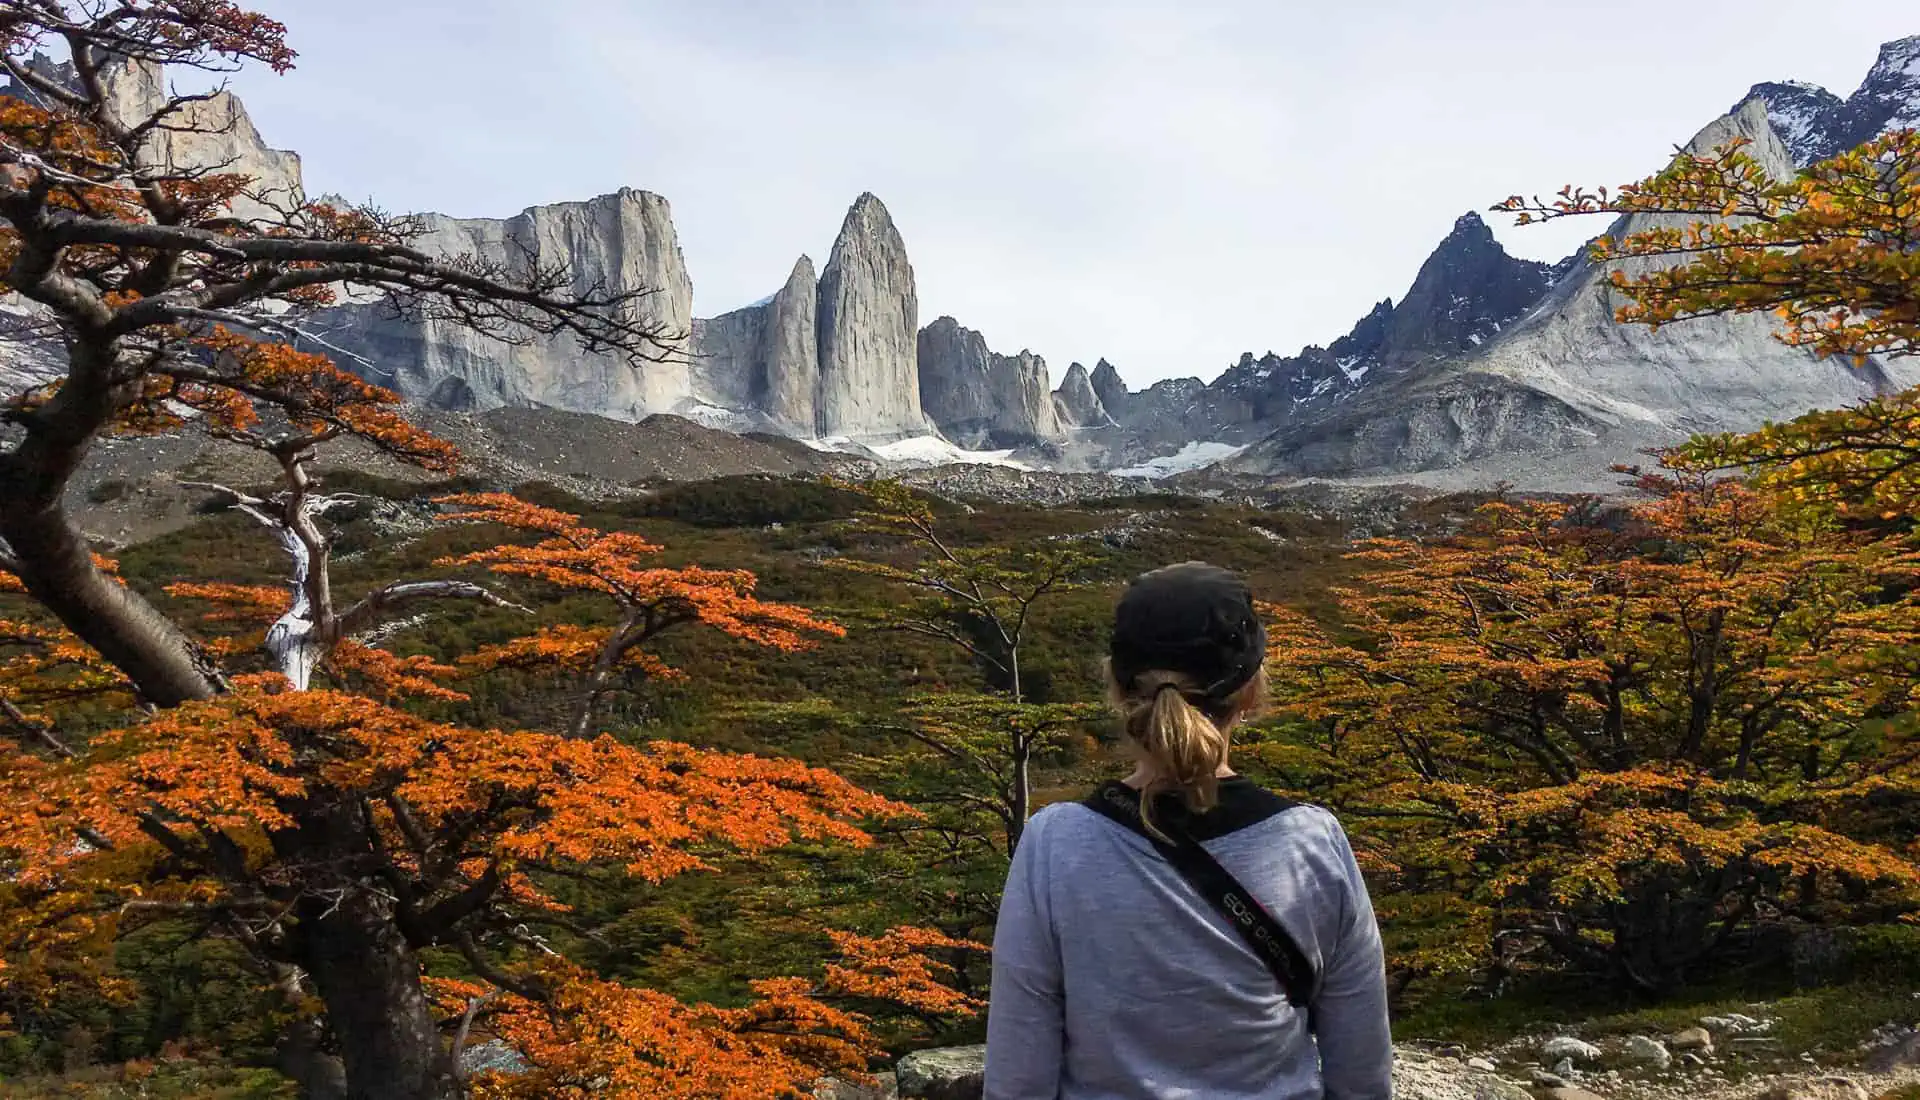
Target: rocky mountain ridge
{"x":1557,"y":379}
{"x":1490,"y":367}
{"x":1815,"y":124}
{"x":212,"y":131}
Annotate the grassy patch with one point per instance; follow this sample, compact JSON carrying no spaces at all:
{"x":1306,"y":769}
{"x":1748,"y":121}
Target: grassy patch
{"x":150,"y":1081}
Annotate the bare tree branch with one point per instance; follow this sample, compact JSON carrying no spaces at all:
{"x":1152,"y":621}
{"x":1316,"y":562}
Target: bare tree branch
{"x":383,"y":602}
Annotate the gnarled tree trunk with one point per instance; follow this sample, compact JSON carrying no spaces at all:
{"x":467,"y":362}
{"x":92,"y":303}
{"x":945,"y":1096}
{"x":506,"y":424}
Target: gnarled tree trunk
{"x":369,"y":978}
{"x":57,"y":567}
{"x":53,"y":558}
{"x":362,"y":966}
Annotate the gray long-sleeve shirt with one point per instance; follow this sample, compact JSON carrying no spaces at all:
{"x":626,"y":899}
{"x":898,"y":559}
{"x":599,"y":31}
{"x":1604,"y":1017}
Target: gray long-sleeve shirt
{"x":1114,"y":980}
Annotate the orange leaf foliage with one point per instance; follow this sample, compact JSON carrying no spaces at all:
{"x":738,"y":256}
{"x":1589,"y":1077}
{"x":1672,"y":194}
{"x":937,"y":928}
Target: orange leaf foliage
{"x":238,"y":812}
{"x":244,"y":762}
{"x":582,"y":558}
{"x":563,"y":647}
{"x":1828,"y":252}
{"x":778,"y":1045}
{"x":1569,"y":713}
{"x":603,"y":1039}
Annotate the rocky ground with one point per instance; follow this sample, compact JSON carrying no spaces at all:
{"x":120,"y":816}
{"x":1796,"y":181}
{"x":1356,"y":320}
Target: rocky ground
{"x":1728,"y":1057}
{"x":130,"y":488}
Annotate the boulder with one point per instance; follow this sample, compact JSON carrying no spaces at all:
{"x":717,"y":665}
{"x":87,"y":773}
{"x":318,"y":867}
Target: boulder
{"x":492,"y":1056}
{"x":1649,"y":1052}
{"x":949,"y":1073}
{"x":882,"y":1088}
{"x":1734,"y":1023}
{"x":1693,"y":1039}
{"x":1566,"y":1046}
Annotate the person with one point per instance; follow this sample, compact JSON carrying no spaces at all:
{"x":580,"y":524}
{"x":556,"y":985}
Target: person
{"x":1113,"y":977}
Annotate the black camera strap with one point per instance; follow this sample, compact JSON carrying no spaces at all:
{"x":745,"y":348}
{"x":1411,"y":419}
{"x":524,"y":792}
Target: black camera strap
{"x":1120,"y":803}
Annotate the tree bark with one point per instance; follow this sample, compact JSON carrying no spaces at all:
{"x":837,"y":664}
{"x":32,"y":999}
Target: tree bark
{"x":57,"y":568}
{"x":55,"y":562}
{"x":301,"y":1056}
{"x":1705,"y":688}
{"x":369,"y":978}
{"x":621,"y":640}
{"x":1020,"y":777}
{"x":1020,"y":792}
{"x":352,"y":947}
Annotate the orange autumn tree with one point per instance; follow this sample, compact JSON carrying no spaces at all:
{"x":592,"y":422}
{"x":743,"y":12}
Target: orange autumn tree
{"x":1830,"y":251}
{"x":140,"y":272}
{"x":1626,"y":736}
{"x":344,"y":841}
{"x":648,"y":600}
{"x":271,"y":815}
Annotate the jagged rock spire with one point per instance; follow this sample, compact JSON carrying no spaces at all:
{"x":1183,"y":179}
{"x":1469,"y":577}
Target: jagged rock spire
{"x":868,"y":327}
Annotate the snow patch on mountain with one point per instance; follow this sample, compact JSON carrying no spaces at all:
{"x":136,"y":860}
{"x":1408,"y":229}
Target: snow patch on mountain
{"x":919,"y":450}
{"x":718,"y":418}
{"x":1190,"y":457}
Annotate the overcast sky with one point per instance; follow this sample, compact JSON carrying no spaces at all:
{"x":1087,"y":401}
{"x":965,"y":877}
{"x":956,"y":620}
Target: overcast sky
{"x":1166,"y":183}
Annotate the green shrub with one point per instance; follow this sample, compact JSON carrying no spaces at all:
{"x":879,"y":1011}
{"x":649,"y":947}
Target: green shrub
{"x":1883,"y":953}
{"x":342,"y":480}
{"x":747,"y":500}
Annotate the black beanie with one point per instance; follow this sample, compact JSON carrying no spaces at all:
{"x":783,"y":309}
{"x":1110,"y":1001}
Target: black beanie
{"x":1192,"y":618}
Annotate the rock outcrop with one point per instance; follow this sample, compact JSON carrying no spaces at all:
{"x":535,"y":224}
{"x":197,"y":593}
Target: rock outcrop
{"x":727,"y":356}
{"x":1489,"y":366}
{"x":762,"y":360}
{"x":790,"y":390}
{"x":615,"y":243}
{"x":1565,"y":375}
{"x":1109,"y":387}
{"x":1075,"y":403}
{"x":979,"y":398}
{"x":1466,"y":292}
{"x":868,"y":324}
{"x":954,"y":388}
{"x":214,"y":133}
{"x":1464,"y":295}
{"x":1814,"y":124}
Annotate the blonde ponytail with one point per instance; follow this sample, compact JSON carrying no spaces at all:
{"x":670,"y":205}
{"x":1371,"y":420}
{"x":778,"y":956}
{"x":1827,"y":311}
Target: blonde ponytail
{"x":1185,"y":747}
